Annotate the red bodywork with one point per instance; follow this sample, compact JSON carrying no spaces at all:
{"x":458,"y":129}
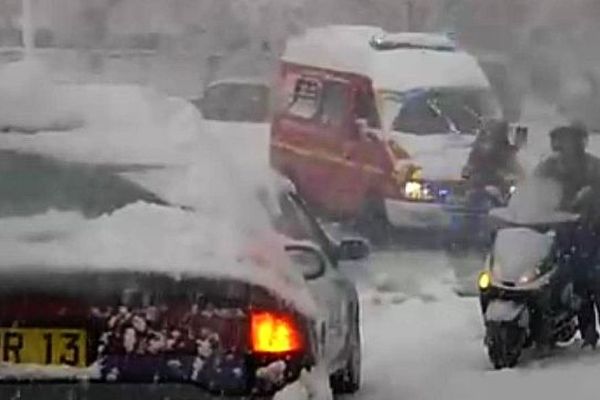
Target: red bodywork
{"x":141,"y":328}
{"x":321,"y":150}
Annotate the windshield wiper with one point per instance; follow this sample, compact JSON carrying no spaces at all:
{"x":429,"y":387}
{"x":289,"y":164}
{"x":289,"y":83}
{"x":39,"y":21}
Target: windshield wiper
{"x":433,"y":106}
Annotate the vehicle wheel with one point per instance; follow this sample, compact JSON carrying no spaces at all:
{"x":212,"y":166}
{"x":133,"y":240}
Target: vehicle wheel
{"x":347,"y":380}
{"x":505,"y":345}
{"x":373,"y":223}
{"x":566,"y":335}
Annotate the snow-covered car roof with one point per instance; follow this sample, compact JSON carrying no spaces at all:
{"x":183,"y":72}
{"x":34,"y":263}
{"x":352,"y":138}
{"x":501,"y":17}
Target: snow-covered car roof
{"x":349,"y":48}
{"x":224,"y":230}
{"x":239,"y":81}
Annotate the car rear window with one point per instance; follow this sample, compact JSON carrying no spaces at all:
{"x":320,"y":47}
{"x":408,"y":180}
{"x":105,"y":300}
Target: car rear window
{"x":32,"y":184}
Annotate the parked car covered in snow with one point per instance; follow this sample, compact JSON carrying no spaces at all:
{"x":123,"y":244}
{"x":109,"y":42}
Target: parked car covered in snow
{"x":156,"y":270}
{"x":377,"y":127}
{"x":235,"y":100}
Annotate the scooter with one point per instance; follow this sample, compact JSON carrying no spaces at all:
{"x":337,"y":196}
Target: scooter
{"x":524,"y":299}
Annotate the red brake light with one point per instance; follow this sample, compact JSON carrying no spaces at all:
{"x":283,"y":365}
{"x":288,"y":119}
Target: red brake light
{"x":274,"y":333}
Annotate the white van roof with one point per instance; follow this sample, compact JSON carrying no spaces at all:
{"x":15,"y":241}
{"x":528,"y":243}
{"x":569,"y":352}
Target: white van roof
{"x":394,"y":61}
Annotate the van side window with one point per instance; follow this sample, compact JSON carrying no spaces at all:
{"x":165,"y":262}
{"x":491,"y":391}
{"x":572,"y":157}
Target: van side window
{"x":334,"y":105}
{"x":305,"y":99}
{"x":366,"y":109}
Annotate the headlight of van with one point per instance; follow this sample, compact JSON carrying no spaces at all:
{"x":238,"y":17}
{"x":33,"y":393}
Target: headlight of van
{"x":418,"y":191}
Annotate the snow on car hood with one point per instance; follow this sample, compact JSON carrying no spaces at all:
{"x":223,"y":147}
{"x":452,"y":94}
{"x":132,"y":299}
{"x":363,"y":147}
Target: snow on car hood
{"x":441,"y":156}
{"x":246,"y":142}
{"x":120,"y":124}
{"x":151,"y":238}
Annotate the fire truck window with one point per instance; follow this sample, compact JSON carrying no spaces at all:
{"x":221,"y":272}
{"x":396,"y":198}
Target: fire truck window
{"x":334,"y":106}
{"x":305,"y":99}
{"x":366,"y":109}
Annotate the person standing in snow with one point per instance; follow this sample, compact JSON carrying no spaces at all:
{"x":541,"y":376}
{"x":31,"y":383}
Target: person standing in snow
{"x":578,"y":174}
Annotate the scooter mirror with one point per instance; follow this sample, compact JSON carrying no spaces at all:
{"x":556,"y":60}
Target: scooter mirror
{"x":519,"y":136}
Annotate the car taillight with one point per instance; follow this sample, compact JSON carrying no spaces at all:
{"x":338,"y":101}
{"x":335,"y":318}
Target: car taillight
{"x":274,"y":333}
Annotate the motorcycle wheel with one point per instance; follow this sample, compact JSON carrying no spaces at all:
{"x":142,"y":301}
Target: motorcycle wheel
{"x":566,"y":335}
{"x":505,"y":344}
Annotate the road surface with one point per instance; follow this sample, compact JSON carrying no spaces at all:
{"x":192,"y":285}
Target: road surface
{"x":423,"y":342}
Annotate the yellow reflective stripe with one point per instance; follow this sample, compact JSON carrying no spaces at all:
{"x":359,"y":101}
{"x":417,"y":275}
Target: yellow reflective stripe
{"x":327,"y":156}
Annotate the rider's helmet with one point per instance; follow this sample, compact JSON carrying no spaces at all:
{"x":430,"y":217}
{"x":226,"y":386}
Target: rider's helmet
{"x":574,"y":136}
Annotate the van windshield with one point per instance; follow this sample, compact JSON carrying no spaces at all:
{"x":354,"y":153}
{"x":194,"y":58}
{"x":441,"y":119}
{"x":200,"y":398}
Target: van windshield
{"x":435,"y":111}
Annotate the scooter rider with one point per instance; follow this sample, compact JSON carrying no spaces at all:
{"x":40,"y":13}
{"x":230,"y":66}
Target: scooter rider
{"x":493,"y":156}
{"x":578,"y":174}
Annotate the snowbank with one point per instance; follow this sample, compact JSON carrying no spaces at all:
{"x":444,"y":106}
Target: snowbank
{"x":30,"y":102}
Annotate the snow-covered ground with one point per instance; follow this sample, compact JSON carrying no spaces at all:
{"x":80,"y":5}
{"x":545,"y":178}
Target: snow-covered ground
{"x":421,"y":341}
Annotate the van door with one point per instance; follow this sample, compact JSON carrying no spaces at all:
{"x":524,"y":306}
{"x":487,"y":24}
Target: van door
{"x":366,"y":157}
{"x":308,"y":138}
{"x":294,"y":132}
{"x":335,"y":124}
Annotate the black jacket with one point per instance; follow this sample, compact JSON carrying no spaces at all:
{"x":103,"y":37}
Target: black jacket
{"x":573,"y":180}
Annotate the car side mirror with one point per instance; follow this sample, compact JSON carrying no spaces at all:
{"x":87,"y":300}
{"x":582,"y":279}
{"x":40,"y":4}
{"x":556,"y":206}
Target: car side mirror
{"x":308,"y":260}
{"x":364,"y":131}
{"x":353,"y":249}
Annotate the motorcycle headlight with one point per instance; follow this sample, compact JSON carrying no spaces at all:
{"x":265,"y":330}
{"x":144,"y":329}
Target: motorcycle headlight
{"x":485,"y":280}
{"x":415,"y":190}
{"x":535,"y":273}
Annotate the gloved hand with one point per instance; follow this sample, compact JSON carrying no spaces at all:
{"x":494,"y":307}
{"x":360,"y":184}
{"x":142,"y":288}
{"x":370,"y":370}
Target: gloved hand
{"x":586,"y":205}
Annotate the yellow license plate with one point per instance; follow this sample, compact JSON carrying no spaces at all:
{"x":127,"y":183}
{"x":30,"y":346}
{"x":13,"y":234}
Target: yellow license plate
{"x":44,"y":346}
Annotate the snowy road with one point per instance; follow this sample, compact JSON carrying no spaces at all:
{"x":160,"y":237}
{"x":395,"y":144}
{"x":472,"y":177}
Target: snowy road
{"x":421,"y":341}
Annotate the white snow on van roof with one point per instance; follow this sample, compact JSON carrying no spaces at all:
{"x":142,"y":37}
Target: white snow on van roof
{"x":348,"y":48}
{"x":241,"y":80}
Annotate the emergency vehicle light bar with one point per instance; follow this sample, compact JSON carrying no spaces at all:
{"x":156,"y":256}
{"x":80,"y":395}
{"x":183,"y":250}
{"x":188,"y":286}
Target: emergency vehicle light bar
{"x":413,"y":40}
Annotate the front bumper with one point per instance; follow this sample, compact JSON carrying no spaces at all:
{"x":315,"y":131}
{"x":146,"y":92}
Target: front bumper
{"x":437,"y":216}
{"x":109,"y":391}
{"x":407,"y":214}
